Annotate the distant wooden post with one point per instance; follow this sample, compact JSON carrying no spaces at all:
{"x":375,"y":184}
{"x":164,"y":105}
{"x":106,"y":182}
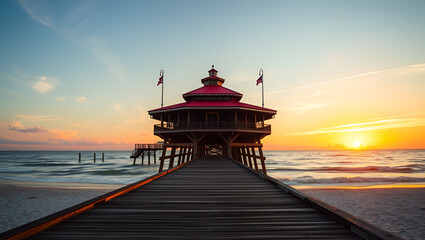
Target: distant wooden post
{"x":79,"y":157}
{"x":149,"y":157}
{"x":103,"y":157}
{"x":94,"y":157}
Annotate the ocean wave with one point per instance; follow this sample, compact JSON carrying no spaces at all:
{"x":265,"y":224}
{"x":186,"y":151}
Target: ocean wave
{"x":46,"y":164}
{"x":115,"y":172}
{"x":311,"y":180}
{"x":367,"y":169}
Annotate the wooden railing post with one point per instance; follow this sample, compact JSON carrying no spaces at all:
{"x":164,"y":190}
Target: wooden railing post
{"x":173,"y":153}
{"x":254,"y":154}
{"x":162,"y":158}
{"x":263,"y":164}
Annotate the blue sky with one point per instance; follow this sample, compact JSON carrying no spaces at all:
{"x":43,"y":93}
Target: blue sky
{"x":86,"y":71}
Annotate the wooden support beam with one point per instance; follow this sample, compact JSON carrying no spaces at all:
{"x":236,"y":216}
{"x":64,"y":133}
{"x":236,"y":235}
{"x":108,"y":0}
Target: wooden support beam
{"x":169,"y":121}
{"x":263,"y":159}
{"x":229,"y":146}
{"x":262,"y":121}
{"x":162,"y":158}
{"x":249,"y":157}
{"x":179,"y":161}
{"x":247,"y":144}
{"x":190,"y":137}
{"x":238,"y":154}
{"x":149,"y":157}
{"x":225,"y":139}
{"x":255,"y":158}
{"x":233,"y":138}
{"x":177,"y":144}
{"x":202,"y":137}
{"x":190,"y":156}
{"x":245,"y":162}
{"x":184,"y":154}
{"x":195,"y":146}
{"x":173,"y":153}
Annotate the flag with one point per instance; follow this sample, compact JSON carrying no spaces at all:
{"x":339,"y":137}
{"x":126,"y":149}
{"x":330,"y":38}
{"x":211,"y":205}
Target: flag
{"x":260,"y":80}
{"x":160,"y":80}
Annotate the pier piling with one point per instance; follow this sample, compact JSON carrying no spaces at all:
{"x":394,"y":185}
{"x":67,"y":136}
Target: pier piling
{"x":94,"y":157}
{"x":79,"y":157}
{"x":103,"y":157}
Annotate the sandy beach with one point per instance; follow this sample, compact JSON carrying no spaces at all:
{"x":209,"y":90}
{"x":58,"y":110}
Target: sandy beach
{"x":397,"y":210}
{"x":23,"y":202}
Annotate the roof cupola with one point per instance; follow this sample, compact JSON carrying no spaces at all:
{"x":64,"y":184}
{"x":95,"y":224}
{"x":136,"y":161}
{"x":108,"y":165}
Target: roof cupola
{"x":212,"y":79}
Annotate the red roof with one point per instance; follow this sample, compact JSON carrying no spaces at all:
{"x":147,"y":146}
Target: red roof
{"x":212,"y":104}
{"x":212,"y":90}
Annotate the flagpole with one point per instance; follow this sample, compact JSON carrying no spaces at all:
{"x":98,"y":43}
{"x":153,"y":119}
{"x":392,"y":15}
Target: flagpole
{"x":161,"y":74}
{"x":262,"y":85}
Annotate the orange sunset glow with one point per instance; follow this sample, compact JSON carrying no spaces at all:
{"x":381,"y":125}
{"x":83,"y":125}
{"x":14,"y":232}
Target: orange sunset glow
{"x":332,"y":90}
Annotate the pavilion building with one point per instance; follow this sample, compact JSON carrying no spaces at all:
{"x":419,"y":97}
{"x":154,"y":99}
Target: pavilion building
{"x":212,"y":120}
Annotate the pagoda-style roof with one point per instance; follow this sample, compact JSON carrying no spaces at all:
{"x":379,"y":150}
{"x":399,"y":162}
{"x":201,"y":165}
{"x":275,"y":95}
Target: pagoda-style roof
{"x":212,"y":104}
{"x":213,"y":96}
{"x":212,"y":90}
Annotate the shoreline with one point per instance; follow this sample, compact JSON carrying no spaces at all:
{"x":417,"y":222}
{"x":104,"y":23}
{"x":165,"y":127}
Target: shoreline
{"x":354,"y":186}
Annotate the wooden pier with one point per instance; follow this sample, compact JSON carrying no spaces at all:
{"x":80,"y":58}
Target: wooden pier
{"x":142,"y":150}
{"x":208,"y":198}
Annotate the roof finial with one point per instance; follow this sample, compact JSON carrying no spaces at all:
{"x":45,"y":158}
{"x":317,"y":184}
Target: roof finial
{"x":213,"y":66}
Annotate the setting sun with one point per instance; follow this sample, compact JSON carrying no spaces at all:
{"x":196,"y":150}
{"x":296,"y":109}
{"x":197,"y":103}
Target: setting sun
{"x":357,"y":144}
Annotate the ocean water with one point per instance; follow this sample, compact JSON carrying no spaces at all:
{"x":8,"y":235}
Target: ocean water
{"x":312,"y":168}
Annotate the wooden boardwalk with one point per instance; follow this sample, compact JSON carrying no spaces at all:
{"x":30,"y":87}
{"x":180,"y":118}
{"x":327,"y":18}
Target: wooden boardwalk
{"x":210,"y":198}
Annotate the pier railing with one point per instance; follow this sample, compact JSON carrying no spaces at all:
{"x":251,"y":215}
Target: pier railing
{"x":146,"y":146}
{"x":138,"y":148}
{"x":166,"y":126}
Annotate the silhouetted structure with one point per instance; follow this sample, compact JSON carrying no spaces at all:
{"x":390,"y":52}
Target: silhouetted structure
{"x":148,"y":150}
{"x":213,"y":121}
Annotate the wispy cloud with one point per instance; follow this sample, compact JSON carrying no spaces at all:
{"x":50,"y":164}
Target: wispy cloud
{"x":369,"y":126}
{"x":37,"y":12}
{"x":81,"y":99}
{"x":70,"y":26}
{"x":303,"y":107}
{"x":117,"y":107}
{"x":36,"y":118}
{"x":11,"y":92}
{"x":417,"y":68}
{"x":60,"y":142}
{"x":18,"y":127}
{"x":61,"y":99}
{"x":41,"y":84}
{"x":106,"y":56}
{"x":45,"y":84}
